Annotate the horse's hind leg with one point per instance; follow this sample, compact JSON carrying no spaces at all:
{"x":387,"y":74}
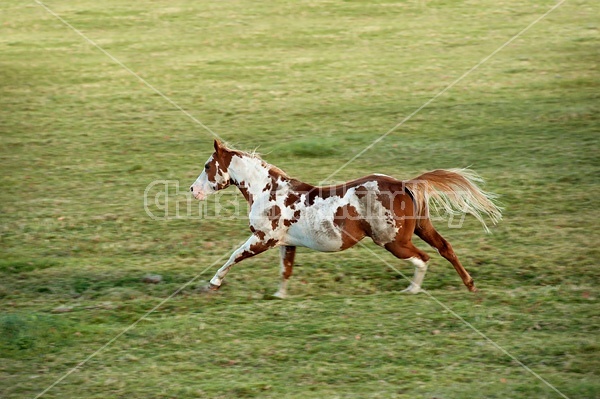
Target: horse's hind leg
{"x":407,"y":251}
{"x":427,"y":233}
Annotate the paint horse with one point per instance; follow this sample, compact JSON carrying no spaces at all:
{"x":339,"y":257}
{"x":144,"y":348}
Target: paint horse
{"x":287,"y":213}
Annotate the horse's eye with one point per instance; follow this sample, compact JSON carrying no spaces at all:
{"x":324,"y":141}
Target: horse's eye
{"x":207,"y":166}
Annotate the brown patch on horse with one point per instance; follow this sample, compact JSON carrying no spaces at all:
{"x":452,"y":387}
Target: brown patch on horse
{"x":211,"y":171}
{"x":245,"y":192}
{"x":288,"y":261}
{"x":273,"y":193}
{"x":291,"y":200}
{"x":276,"y":173}
{"x":260,"y":234}
{"x":274,"y":214}
{"x":299,"y":188}
{"x":223,"y":155}
{"x":256,"y":249}
{"x":219,"y":165}
{"x":347,"y":219}
{"x":261,"y":246}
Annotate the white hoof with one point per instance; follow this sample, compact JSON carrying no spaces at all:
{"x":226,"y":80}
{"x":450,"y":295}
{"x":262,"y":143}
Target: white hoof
{"x":280,"y":295}
{"x":412,"y":289}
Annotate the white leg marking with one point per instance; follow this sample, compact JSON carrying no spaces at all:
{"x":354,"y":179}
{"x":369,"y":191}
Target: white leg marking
{"x":282,"y":292}
{"x":420,"y":270}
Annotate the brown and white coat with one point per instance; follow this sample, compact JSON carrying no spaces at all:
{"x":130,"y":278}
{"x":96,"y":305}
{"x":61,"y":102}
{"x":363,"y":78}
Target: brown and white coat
{"x":287,"y":213}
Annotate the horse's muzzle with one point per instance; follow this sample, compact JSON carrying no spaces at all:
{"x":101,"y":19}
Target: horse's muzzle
{"x":198,"y":194}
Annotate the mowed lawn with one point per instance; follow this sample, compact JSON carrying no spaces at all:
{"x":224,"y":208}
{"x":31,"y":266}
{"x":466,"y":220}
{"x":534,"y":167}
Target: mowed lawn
{"x":310,"y":84}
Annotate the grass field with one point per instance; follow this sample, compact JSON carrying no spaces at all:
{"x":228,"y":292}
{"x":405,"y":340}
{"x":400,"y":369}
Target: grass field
{"x":311,"y":84}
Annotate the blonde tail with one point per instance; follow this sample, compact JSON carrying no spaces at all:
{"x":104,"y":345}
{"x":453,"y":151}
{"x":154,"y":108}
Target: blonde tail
{"x":454,"y":191}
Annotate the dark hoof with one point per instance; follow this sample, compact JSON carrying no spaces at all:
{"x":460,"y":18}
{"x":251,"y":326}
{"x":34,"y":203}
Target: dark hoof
{"x":471,"y":286}
{"x":271,"y":297}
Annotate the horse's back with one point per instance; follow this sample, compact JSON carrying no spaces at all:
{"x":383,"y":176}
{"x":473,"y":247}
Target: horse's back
{"x":334,"y":218}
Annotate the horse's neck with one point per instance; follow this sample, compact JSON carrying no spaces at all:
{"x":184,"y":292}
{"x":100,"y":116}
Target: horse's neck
{"x":251,"y":175}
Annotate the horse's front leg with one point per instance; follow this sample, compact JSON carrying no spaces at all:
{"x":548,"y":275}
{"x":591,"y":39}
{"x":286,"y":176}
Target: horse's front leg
{"x":253,"y":246}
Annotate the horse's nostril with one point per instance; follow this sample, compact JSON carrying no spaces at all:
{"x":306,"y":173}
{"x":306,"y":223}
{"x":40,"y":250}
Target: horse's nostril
{"x":192,"y":188}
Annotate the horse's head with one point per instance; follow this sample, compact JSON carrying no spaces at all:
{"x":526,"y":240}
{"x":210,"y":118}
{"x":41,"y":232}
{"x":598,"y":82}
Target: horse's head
{"x":215,"y":176}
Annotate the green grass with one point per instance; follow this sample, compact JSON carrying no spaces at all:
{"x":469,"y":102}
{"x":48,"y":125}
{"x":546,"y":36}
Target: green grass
{"x":310,"y":84}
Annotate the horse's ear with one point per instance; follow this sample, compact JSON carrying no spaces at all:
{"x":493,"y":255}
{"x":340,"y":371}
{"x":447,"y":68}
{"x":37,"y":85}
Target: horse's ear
{"x":218,"y":145}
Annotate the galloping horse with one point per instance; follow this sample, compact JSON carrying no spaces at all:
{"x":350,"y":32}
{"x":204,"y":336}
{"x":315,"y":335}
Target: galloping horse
{"x":287,"y":213}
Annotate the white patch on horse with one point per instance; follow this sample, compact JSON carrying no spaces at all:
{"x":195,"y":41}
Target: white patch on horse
{"x":202,"y":187}
{"x":381,"y":219}
{"x":251,"y":172}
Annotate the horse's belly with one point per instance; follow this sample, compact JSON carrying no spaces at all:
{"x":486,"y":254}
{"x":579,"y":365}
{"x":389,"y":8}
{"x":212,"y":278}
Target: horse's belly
{"x":326,"y":239}
{"x":318,"y":227}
